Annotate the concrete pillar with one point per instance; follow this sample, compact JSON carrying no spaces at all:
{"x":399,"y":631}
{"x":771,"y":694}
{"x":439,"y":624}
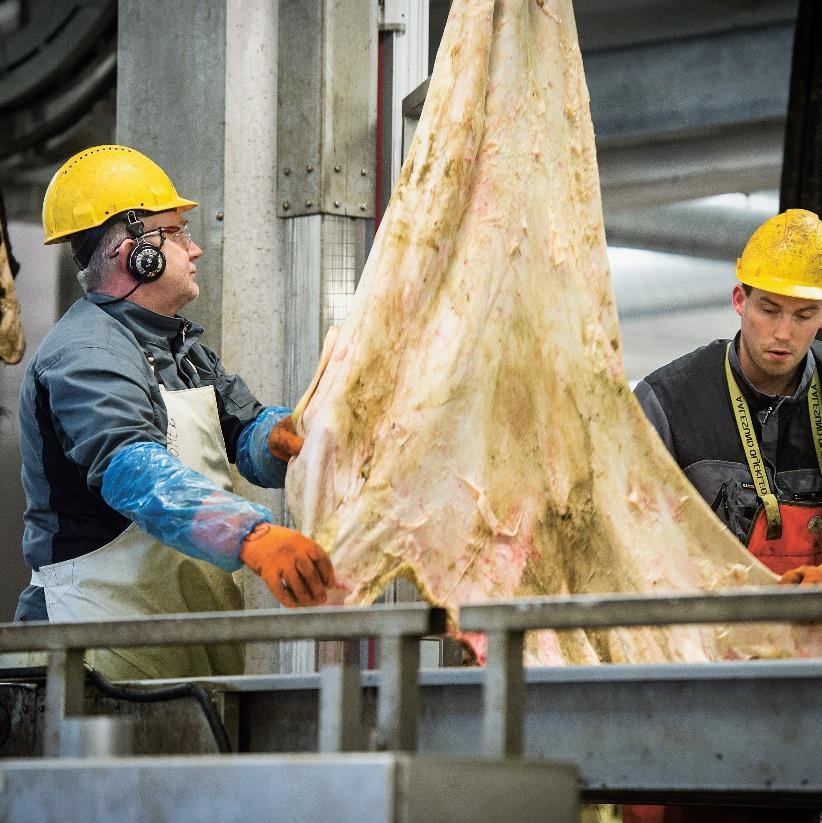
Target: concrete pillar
{"x":197,"y":92}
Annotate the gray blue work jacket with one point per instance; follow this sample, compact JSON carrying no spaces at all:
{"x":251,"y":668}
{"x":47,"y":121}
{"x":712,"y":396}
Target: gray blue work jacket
{"x":89,"y":390}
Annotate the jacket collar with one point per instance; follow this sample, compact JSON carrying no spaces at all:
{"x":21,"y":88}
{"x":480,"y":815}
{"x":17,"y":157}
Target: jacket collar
{"x":174,"y":333}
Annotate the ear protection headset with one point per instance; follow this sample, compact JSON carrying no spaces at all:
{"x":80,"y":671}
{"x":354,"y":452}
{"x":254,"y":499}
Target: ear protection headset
{"x":146,"y":262}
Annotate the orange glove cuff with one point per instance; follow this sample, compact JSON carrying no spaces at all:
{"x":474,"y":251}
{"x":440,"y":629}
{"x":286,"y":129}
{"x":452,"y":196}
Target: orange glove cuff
{"x":295,"y":568}
{"x":283,"y":442}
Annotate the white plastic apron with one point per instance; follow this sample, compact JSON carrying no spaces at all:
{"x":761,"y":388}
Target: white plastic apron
{"x":137,"y":575}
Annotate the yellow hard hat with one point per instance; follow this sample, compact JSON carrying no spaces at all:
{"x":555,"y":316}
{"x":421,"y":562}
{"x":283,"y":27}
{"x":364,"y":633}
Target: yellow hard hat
{"x":100,"y":182}
{"x":784,"y":256}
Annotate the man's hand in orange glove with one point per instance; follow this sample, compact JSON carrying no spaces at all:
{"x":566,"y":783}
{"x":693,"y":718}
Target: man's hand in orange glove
{"x":283,"y":441}
{"x":803,"y":575}
{"x":296,"y":569}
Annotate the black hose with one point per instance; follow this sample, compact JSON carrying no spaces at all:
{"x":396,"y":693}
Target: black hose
{"x":160,"y":694}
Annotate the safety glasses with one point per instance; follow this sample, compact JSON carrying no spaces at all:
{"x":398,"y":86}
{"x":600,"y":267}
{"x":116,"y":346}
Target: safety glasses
{"x":181,"y":235}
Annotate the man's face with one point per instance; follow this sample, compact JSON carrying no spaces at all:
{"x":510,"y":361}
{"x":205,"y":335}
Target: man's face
{"x":176,"y":287}
{"x":776,"y":331}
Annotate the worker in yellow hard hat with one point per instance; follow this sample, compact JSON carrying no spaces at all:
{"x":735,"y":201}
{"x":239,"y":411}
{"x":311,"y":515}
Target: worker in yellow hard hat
{"x":128,"y":426}
{"x":743,"y":419}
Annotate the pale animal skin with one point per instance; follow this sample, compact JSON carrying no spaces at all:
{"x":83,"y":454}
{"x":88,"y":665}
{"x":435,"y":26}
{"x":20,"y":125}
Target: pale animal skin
{"x":473,"y":429}
{"x":12,"y":342}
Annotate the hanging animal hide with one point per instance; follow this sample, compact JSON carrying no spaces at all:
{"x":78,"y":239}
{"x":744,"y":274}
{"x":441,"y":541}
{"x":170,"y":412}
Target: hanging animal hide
{"x":12,"y":344}
{"x":473,"y":430}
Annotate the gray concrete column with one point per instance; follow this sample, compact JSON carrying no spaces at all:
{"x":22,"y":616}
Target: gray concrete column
{"x":197,"y":92}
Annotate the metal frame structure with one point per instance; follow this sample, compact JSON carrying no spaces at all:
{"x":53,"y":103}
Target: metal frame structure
{"x":330,"y":786}
{"x":380,"y":788}
{"x":505,"y":623}
{"x":399,"y":628}
{"x":693,"y":732}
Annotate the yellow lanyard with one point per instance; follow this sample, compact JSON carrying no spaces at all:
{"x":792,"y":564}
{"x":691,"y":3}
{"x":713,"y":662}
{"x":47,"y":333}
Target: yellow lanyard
{"x":750,"y":444}
{"x":815,"y":411}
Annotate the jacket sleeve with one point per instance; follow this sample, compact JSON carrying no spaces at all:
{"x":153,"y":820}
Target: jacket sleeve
{"x":655,"y":413}
{"x":254,"y":461}
{"x":179,"y":506}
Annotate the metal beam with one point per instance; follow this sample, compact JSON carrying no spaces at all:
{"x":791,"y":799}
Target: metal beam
{"x":503,"y":696}
{"x":682,"y":118}
{"x":727,"y":78}
{"x":603,"y":24}
{"x":650,"y":731}
{"x":340,"y":724}
{"x":655,"y":169}
{"x":662,"y":732}
{"x":744,"y":605}
{"x":398,"y":698}
{"x":290,"y":789}
{"x":690,"y":117}
{"x":64,"y":695}
{"x":712,"y":231}
{"x":328,"y":622}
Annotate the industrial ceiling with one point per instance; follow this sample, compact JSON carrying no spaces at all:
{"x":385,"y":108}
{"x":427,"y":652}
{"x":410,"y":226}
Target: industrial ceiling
{"x":688,"y":98}
{"x":689,"y":101}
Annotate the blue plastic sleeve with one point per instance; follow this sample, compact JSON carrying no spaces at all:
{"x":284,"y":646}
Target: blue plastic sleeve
{"x":254,"y":461}
{"x":179,"y":506}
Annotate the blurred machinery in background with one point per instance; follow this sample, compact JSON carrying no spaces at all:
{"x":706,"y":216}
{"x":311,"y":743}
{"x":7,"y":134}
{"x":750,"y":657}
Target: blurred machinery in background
{"x":58,"y":61}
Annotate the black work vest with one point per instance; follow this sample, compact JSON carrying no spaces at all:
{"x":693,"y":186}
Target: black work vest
{"x":693,"y":394}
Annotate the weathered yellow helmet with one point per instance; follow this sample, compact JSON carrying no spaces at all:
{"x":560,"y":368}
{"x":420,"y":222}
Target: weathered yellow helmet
{"x":784,"y":256}
{"x":100,"y":182}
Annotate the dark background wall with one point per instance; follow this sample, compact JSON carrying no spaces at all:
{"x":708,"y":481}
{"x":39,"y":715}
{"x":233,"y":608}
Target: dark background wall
{"x":38,"y":292}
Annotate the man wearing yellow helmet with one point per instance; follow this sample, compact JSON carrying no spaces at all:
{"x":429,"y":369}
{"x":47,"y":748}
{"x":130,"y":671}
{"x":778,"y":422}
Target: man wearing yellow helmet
{"x":128,"y":425}
{"x":743,"y":418}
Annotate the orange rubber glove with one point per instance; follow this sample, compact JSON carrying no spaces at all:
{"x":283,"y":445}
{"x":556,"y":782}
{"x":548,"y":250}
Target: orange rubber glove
{"x":296,"y":569}
{"x":802,"y":575}
{"x":283,"y":442}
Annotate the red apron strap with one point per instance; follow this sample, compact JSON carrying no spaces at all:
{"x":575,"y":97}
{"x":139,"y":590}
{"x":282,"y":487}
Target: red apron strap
{"x":800,"y":543}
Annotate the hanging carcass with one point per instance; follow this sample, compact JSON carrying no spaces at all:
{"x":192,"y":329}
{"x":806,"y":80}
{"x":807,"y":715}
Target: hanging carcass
{"x":473,"y":429}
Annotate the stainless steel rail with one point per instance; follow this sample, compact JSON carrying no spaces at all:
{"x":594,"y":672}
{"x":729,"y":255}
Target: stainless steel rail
{"x":399,"y":627}
{"x":742,"y":605}
{"x":485,"y":709}
{"x":506,"y":622}
{"x":325,"y":622}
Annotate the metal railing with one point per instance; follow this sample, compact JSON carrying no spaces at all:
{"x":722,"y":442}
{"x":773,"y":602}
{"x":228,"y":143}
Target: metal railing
{"x":399,"y":628}
{"x":506,"y":621}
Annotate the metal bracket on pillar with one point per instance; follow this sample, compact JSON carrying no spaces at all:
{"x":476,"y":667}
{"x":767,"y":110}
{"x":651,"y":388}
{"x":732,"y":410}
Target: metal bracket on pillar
{"x":327,"y":107}
{"x":393,"y":16}
{"x":398,"y":694}
{"x":504,"y":695}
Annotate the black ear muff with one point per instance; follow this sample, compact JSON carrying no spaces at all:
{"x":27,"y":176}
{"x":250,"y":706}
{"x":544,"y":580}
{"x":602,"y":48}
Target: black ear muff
{"x":146,"y":262}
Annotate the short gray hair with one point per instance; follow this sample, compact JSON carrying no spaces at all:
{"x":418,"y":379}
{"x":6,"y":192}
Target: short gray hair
{"x":94,"y":276}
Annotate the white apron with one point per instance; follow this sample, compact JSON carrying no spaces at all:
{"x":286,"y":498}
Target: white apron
{"x":138,"y":575}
